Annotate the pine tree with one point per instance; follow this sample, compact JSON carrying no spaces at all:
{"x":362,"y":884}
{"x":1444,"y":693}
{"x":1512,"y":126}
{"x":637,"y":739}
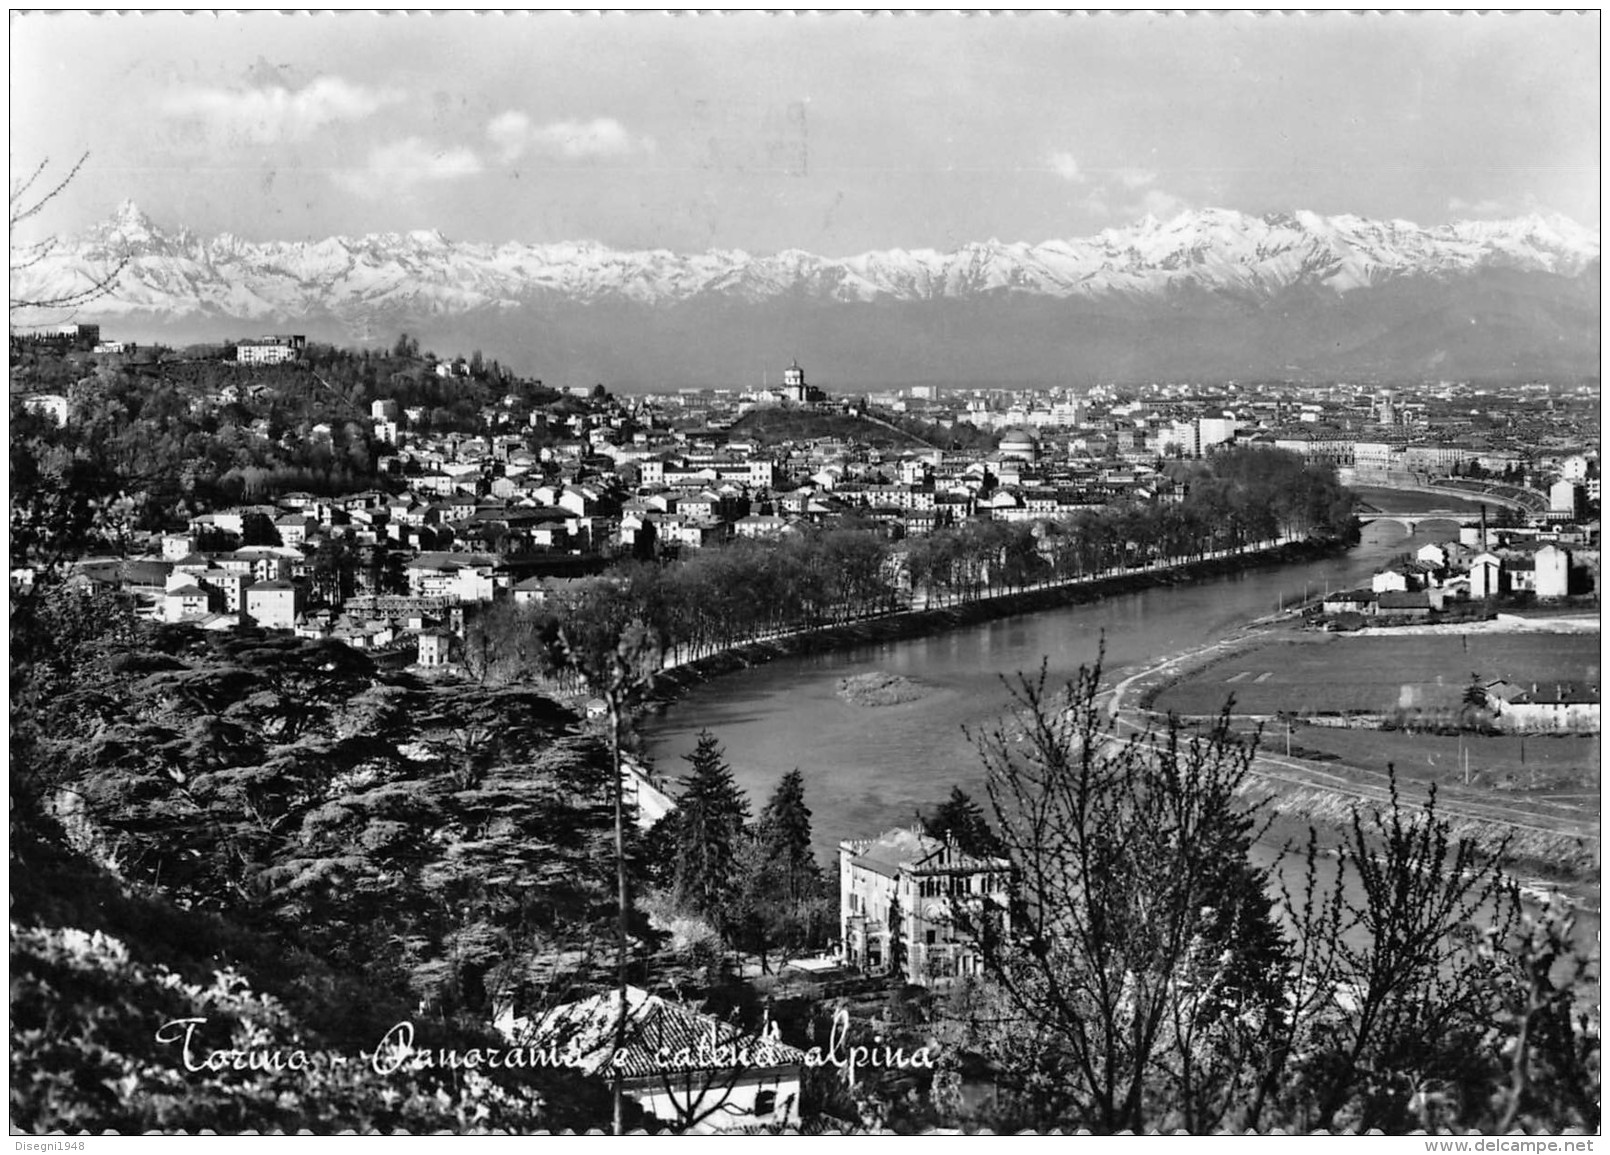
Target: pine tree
{"x":785,"y":830}
{"x":712,"y":813}
{"x":962,"y":819}
{"x":793,"y":880}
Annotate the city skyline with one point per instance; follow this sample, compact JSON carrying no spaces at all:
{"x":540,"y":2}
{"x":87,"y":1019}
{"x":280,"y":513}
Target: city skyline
{"x":835,"y":133}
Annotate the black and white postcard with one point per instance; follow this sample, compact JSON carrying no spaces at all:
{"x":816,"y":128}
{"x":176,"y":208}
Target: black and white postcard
{"x":805,"y":573}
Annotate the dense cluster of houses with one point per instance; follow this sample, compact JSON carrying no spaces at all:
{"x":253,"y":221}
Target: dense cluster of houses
{"x":464,"y":517}
{"x":470,"y":519}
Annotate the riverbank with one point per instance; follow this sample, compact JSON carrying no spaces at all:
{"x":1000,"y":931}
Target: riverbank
{"x":671,"y":684}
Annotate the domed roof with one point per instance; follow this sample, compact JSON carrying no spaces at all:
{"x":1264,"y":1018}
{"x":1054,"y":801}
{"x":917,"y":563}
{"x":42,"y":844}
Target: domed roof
{"x":1019,"y":436}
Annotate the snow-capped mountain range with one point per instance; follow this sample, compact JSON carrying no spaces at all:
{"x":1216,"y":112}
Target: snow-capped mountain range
{"x":1202,"y":262}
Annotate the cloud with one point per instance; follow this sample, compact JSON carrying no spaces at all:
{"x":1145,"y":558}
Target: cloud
{"x":401,"y":166}
{"x":1160,"y":204}
{"x":1067,"y":167}
{"x":1483,"y":208}
{"x":1134,"y":177}
{"x":271,"y":114}
{"x":513,"y":134}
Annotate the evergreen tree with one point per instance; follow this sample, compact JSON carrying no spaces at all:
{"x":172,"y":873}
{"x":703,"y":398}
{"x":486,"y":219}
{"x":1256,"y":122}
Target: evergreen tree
{"x":785,"y":831}
{"x":791,"y":884}
{"x":962,"y":819}
{"x":712,"y":813}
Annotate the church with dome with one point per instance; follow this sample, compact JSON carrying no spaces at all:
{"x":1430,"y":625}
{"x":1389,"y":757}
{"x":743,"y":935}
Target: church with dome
{"x":1019,"y":443}
{"x":795,"y":389}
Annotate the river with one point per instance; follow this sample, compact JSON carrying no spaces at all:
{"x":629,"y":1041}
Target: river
{"x":867,"y":769}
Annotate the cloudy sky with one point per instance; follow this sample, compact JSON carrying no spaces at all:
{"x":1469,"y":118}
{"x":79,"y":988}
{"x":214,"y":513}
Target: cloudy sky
{"x":834,"y":133}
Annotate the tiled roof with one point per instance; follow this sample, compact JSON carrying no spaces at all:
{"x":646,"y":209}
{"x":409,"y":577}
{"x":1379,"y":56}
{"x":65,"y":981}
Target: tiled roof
{"x":656,"y":1030}
{"x":886,"y":852}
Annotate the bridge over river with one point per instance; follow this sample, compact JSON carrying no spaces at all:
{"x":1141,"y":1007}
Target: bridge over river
{"x":1415,"y":518}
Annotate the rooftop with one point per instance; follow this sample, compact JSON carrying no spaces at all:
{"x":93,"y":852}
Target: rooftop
{"x":660,"y":1036}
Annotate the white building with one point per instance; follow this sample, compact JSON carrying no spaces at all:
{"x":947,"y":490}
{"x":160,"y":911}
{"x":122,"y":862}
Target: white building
{"x":1553,"y":707}
{"x":435,"y":647}
{"x":270,"y":350}
{"x":1211,"y":431}
{"x":1565,"y":497}
{"x":1552,"y":568}
{"x":185,"y":600}
{"x":904,"y":886}
{"x":274,"y":605}
{"x":1486,"y":571}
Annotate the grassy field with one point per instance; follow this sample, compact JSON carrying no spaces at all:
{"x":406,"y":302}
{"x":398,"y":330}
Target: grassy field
{"x":771,"y":426}
{"x":1337,"y":674}
{"x":1564,"y":767}
{"x":1411,"y":501}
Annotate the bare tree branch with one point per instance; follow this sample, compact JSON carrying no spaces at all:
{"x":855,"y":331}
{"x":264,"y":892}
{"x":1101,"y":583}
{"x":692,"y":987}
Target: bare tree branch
{"x":24,"y":256}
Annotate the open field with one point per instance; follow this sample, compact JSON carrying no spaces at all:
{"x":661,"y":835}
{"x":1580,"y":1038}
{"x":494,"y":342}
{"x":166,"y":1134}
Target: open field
{"x":1410,"y":501}
{"x":1561,"y":767}
{"x":1332,"y":673}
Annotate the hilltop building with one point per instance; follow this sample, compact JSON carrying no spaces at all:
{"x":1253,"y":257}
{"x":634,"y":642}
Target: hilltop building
{"x":270,"y":350}
{"x":795,"y":389}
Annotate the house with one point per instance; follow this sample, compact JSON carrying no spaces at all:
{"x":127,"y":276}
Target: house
{"x":1486,"y":575}
{"x":758,"y":525}
{"x":531,"y":591}
{"x":1349,"y":601}
{"x":1416,"y":604}
{"x":1559,"y":707}
{"x":229,"y":585}
{"x":435,"y":648}
{"x":1552,"y":572}
{"x":294,"y":530}
{"x":1433,"y":555}
{"x":678,"y":530}
{"x":902,"y":887}
{"x":1390,"y":581}
{"x":695,"y":1071}
{"x":435,"y":574}
{"x":185,"y":601}
{"x":275,"y":605}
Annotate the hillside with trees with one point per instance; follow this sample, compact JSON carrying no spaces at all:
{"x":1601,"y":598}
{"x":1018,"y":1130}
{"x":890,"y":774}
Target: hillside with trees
{"x":160,"y":438}
{"x":277,"y":836}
